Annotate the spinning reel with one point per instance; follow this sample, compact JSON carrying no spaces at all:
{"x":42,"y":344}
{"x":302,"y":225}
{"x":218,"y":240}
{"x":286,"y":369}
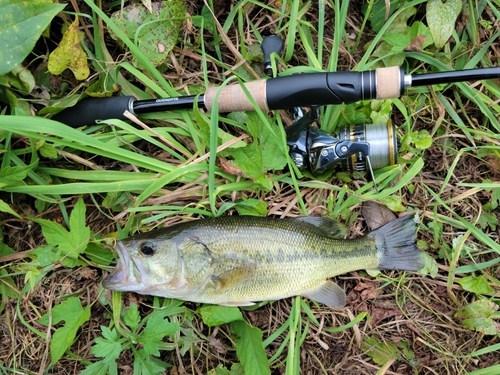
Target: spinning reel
{"x":353,"y":148}
{"x":357,"y":147}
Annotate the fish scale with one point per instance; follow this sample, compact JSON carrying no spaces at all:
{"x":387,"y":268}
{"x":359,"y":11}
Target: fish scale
{"x":237,"y":260}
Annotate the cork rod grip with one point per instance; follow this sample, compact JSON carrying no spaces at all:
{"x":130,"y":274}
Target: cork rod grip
{"x":233,"y":98}
{"x":389,"y":83}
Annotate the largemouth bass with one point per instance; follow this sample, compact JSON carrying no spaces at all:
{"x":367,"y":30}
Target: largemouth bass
{"x":238,"y":260}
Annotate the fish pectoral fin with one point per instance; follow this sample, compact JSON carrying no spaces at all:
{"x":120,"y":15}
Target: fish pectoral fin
{"x":328,"y":293}
{"x":232,"y":304}
{"x":325,"y":225}
{"x":232,"y":277}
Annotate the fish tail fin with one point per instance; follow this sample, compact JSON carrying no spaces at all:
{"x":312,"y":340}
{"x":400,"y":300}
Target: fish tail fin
{"x":395,"y":243}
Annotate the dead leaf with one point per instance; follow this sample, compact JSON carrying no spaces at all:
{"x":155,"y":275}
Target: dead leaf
{"x":376,"y":215}
{"x":381,"y":312}
{"x":230,"y":167}
{"x":416,"y":44}
{"x":367,"y":290}
{"x":87,"y":273}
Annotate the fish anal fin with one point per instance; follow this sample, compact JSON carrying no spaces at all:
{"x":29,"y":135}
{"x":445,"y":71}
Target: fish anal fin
{"x":328,"y":293}
{"x":233,"y":277}
{"x":327,"y":226}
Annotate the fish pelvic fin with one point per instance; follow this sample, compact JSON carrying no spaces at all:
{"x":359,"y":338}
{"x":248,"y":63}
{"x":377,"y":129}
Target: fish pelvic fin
{"x":328,"y":293}
{"x":396,"y":247}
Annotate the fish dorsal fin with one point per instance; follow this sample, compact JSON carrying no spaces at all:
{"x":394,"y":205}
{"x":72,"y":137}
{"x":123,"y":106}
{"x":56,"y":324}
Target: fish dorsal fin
{"x":327,"y":226}
{"x":328,"y":293}
{"x":233,"y":277}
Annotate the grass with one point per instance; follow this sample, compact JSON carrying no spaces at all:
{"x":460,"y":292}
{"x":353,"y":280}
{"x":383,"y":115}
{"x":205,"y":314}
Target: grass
{"x":68,"y":194}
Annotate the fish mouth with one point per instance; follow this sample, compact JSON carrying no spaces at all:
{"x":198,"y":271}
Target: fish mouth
{"x":126,"y":276}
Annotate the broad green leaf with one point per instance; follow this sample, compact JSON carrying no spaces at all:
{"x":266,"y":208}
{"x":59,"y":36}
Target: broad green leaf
{"x":72,"y":313}
{"x":98,"y":254}
{"x":70,"y":55}
{"x":13,"y":176}
{"x":252,"y":206}
{"x":478,"y":317}
{"x":476,"y":284}
{"x":154,"y":32}
{"x":488,"y":219}
{"x":131,"y":317}
{"x":147,"y":365}
{"x":249,"y":348}
{"x":380,"y":12}
{"x":430,"y":266}
{"x":7,"y":286}
{"x":416,"y":38}
{"x":77,"y":221}
{"x":380,"y":352}
{"x":219,"y":370}
{"x":261,"y":155}
{"x":101,"y":368}
{"x":21,"y":24}
{"x":48,"y":151}
{"x":399,"y":28}
{"x":70,"y":243}
{"x":4,"y":207}
{"x":495,"y":198}
{"x":398,"y":42}
{"x":441,"y":18}
{"x":44,"y":255}
{"x":421,"y":139}
{"x":25,"y":77}
{"x":394,"y":203}
{"x":156,"y":329}
{"x":108,"y":347}
{"x":236,"y":369}
{"x":5,"y":249}
{"x":214,"y":315}
{"x":249,"y":160}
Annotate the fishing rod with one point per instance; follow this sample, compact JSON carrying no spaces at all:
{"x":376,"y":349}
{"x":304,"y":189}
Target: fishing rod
{"x":357,"y":147}
{"x":300,"y":90}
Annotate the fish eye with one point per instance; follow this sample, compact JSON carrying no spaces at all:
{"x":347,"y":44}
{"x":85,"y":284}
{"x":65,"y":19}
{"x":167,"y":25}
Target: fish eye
{"x":147,"y":249}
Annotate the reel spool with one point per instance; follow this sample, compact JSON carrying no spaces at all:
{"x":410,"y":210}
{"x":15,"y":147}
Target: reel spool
{"x":384,"y":145}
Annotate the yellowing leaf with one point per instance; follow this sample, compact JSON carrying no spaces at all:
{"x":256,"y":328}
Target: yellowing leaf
{"x":479,"y":316}
{"x":69,"y":55}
